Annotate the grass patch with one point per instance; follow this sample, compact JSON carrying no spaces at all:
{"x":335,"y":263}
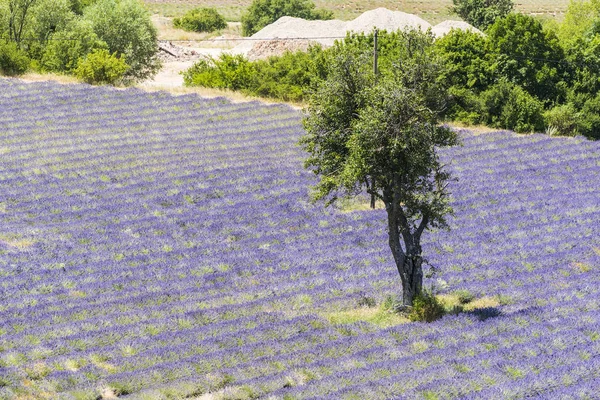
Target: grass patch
{"x":381,"y":315}
{"x":456,"y":301}
{"x":358,"y":204}
{"x":385,"y":315}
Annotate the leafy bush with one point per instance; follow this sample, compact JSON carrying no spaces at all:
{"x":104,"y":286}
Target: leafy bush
{"x":562,"y":120}
{"x":286,"y":77}
{"x":101,"y":67}
{"x":465,"y":106}
{"x":126,"y":28}
{"x":264,"y":12}
{"x":201,"y":20}
{"x":482,"y":13}
{"x":63,"y":55}
{"x":13,"y":61}
{"x":589,"y":120}
{"x":427,"y":308}
{"x":509,"y":106}
{"x":234,"y":72}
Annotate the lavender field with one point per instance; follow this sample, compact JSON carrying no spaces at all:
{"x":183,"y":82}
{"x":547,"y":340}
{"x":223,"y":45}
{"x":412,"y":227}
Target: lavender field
{"x":163,"y":247}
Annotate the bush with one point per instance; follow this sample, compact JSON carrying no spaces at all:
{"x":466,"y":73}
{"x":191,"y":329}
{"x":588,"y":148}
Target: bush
{"x":264,"y":12}
{"x":287,"y":77}
{"x":562,"y":120}
{"x":13,"y":61}
{"x":426,"y":307}
{"x":509,"y":106}
{"x":126,"y":28}
{"x":201,"y":20}
{"x":589,"y":121}
{"x":101,"y":67}
{"x":232,"y":72}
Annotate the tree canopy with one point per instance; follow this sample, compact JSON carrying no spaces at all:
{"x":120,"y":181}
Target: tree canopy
{"x":379,"y":135}
{"x":264,"y":12}
{"x":482,"y":13}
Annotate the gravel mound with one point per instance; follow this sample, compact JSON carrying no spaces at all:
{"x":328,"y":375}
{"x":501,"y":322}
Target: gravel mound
{"x":323,"y":32}
{"x":443,"y":28}
{"x":384,"y":19}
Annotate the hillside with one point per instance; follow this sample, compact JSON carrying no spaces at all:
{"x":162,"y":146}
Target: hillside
{"x":156,"y":246}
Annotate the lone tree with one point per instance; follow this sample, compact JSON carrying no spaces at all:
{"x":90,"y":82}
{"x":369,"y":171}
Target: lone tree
{"x":379,"y":135}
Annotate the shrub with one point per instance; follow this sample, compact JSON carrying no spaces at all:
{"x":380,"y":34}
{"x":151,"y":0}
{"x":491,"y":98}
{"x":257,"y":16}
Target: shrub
{"x":426,"y":307}
{"x":13,"y":60}
{"x":464,"y":106}
{"x":101,"y":67}
{"x":264,"y":12}
{"x":589,"y":121}
{"x":126,"y":28}
{"x":201,"y":20}
{"x":234,"y":72}
{"x":509,"y":106}
{"x":287,"y":77}
{"x":562,"y":120}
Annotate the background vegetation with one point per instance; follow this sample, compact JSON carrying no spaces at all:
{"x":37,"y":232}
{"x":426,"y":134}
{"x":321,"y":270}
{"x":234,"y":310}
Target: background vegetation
{"x":523,"y":74}
{"x":56,"y":35}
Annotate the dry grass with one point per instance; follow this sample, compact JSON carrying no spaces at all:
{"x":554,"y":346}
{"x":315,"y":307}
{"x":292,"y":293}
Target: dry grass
{"x":434,"y":11}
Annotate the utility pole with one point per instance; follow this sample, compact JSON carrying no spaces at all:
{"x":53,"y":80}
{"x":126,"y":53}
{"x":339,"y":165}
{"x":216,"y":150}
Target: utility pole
{"x":376,"y":73}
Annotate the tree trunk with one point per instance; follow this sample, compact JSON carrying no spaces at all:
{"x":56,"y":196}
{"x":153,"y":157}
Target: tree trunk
{"x":408,"y":261}
{"x":412,"y":282}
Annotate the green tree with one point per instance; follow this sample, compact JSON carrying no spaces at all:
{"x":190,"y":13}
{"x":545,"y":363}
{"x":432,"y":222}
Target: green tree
{"x":76,"y":41}
{"x":18,"y":15}
{"x":526,"y":54}
{"x":380,"y":136}
{"x":467,"y":61}
{"x":201,"y":20}
{"x":125,"y":26}
{"x":264,"y":12}
{"x":482,"y":13}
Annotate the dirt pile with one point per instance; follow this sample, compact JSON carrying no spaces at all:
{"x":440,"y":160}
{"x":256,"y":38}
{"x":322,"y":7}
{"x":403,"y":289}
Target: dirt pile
{"x":324,"y":32}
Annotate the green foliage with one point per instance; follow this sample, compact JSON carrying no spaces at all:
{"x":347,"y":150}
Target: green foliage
{"x":526,"y":54}
{"x":125,"y":26}
{"x":63,"y":55}
{"x":101,"y":67}
{"x":589,"y":118}
{"x":508,"y":106}
{"x":77,"y":6}
{"x":232,"y":72}
{"x":578,"y":21}
{"x":264,"y":12}
{"x":379,"y":134}
{"x":286,"y":77}
{"x":467,"y":63}
{"x":201,"y":20}
{"x":482,"y":13}
{"x":426,"y":308}
{"x":562,"y":120}
{"x":13,"y":61}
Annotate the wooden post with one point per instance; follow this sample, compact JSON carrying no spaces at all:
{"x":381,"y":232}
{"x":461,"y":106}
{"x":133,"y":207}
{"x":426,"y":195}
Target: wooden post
{"x":376,"y":72}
